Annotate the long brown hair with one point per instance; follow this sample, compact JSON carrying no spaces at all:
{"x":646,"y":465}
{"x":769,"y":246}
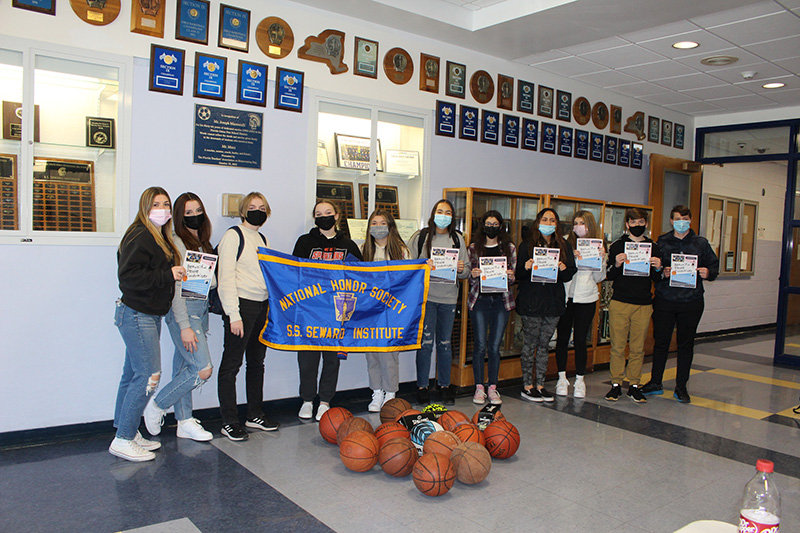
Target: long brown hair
{"x":395,"y":247}
{"x":503,"y":240}
{"x":162,"y":235}
{"x":592,"y":231}
{"x":536,"y":239}
{"x":430,"y":231}
{"x":201,"y":243}
{"x":335,"y":211}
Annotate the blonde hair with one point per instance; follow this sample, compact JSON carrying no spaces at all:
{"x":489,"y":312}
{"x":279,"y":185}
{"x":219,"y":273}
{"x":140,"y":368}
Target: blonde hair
{"x":245,"y":203}
{"x":162,"y":235}
{"x":592,"y":231}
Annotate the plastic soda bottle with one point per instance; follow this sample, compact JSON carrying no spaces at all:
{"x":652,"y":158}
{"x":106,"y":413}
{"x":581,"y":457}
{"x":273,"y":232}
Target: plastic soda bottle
{"x":761,"y":505}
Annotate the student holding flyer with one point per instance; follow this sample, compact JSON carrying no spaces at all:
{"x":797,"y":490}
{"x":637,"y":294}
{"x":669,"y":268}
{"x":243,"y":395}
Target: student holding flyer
{"x":680,"y":305}
{"x":631,"y":306}
{"x":440,"y":233}
{"x":540,"y":303}
{"x":489,"y":307}
{"x":582,"y":295}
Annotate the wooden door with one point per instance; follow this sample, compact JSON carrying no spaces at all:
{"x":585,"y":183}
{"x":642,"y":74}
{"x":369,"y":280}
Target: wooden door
{"x":674,"y":181}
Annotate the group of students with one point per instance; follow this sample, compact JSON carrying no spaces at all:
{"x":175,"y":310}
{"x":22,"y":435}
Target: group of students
{"x":150,"y":271}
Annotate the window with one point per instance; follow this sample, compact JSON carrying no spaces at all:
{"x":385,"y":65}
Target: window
{"x":730,"y":227}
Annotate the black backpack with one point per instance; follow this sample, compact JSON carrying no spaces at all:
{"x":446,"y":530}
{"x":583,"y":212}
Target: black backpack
{"x":423,"y":236}
{"x":214,"y":303}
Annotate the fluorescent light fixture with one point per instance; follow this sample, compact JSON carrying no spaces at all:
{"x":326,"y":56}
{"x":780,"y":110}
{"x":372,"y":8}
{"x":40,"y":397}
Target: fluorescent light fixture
{"x":685,"y":45}
{"x":774,"y":85}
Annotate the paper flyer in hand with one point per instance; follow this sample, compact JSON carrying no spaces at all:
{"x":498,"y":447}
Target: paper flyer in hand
{"x":545,"y":265}
{"x":494,"y":274}
{"x":589,"y":255}
{"x":199,"y":273}
{"x":638,"y":261}
{"x":684,"y":271}
{"x":445,"y":265}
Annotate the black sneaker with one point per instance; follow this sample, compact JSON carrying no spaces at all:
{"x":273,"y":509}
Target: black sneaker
{"x":636,"y":394}
{"x":546,"y":396}
{"x":532,"y":395}
{"x":650,"y":389}
{"x":448,"y":395}
{"x":234,"y":432}
{"x":682,"y":396}
{"x":262,"y":423}
{"x":613,"y":394}
{"x":423,"y":396}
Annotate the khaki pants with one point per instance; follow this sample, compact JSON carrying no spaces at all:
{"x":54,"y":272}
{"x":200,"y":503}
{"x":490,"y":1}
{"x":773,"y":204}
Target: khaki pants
{"x":624,"y":321}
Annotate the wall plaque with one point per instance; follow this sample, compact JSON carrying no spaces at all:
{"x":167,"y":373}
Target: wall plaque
{"x":147,"y":17}
{"x":96,"y":12}
{"x":327,"y":48}
{"x":429,"y":73}
{"x":398,"y":66}
{"x":481,"y":86}
{"x":274,"y":37}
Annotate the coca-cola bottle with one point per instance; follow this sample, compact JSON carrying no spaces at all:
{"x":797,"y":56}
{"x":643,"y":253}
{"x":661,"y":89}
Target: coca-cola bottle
{"x":761,"y":505}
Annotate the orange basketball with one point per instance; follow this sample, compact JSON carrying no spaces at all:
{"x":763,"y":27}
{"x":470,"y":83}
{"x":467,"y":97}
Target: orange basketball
{"x":390,"y":430}
{"x":502,"y":439}
{"x":359,"y":451}
{"x":352,"y":424}
{"x":330,"y":422}
{"x":471,"y":462}
{"x":407,"y":412}
{"x":498,"y":415}
{"x":451,"y":419}
{"x":398,"y":456}
{"x":443,"y":442}
{"x":434,"y":474}
{"x":469,"y":433}
{"x":392,"y":408}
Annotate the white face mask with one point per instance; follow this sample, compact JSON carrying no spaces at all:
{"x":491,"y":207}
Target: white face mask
{"x":159,"y":217}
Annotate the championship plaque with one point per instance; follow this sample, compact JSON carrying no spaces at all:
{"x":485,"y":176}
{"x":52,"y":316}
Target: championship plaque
{"x":404,"y":162}
{"x":481,"y":86}
{"x":398,"y":66}
{"x":353,"y":152}
{"x":274,"y":37}
{"x":624,"y":158}
{"x":582,"y":111}
{"x":12,"y":121}
{"x":234,"y":28}
{"x":565,"y":141}
{"x":96,"y":12}
{"x":469,"y":123}
{"x":505,"y":92}
{"x":47,"y":7}
{"x":530,"y":134}
{"x":581,"y":144}
{"x":385,"y":198}
{"x":637,"y":154}
{"x":490,"y":124}
{"x":289,"y":89}
{"x":600,"y":115}
{"x":548,"y":138}
{"x":596,"y":147}
{"x":191,"y":23}
{"x":251,"y":83}
{"x":564,"y":100}
{"x":456,"y":80}
{"x":511,"y":131}
{"x":445,"y":119}
{"x":666,"y":132}
{"x":100,"y":132}
{"x":9,"y":203}
{"x":653,"y":129}
{"x":209,"y":76}
{"x":610,"y":150}
{"x":147,"y":17}
{"x":635,"y":125}
{"x":616,"y":119}
{"x":429,"y":73}
{"x":524,"y":96}
{"x":545,"y":108}
{"x":327,"y":48}
{"x":680,"y":133}
{"x":166,"y":69}
{"x":366,"y":59}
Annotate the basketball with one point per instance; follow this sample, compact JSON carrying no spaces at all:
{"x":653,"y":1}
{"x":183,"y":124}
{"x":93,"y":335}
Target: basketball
{"x":469,"y":433}
{"x":352,"y":424}
{"x":393,"y":408}
{"x":398,"y":457}
{"x":422,"y":431}
{"x":433,"y":474}
{"x":442,"y":442}
{"x":471,"y":462}
{"x":407,"y":412}
{"x":390,"y":430}
{"x":502,"y":439}
{"x":330,"y":422}
{"x":451,"y":419}
{"x":497,"y":415}
{"x":359,"y":451}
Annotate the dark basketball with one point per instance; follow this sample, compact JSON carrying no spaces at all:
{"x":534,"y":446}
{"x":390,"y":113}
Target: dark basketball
{"x":469,"y":433}
{"x":397,"y":457}
{"x":433,"y":474}
{"x":471,"y":462}
{"x":330,"y":422}
{"x":392,"y":409}
{"x":390,"y":430}
{"x":502,"y":439}
{"x":352,"y":424}
{"x":451,"y":419}
{"x":406,"y":413}
{"x":359,"y":451}
{"x":442,"y":442}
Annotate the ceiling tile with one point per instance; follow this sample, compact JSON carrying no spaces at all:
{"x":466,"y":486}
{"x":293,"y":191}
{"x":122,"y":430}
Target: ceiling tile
{"x":659,"y":69}
{"x":739,"y":13}
{"x":778,"y":49}
{"x":681,"y":26}
{"x":691,"y":108}
{"x":606,"y":78}
{"x":711,"y":93}
{"x":638,"y":89}
{"x":594,"y":46}
{"x":770,"y":27}
{"x":789,"y":4}
{"x":790,"y":97}
{"x":570,"y":66}
{"x":692,"y":81}
{"x":792,"y":65}
{"x":763,"y":70}
{"x":671,"y":97}
{"x":624,"y":56}
{"x":541,"y":58}
{"x":744,"y":58}
{"x":708,"y":44}
{"x":741,"y":102}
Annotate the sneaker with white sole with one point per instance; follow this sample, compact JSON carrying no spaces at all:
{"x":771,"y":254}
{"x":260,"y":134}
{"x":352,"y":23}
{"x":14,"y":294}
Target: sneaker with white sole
{"x":130,"y":451}
{"x":306,"y":411}
{"x":191,"y":429}
{"x":480,"y":395}
{"x":234,"y":432}
{"x":387,"y":396}
{"x":377,"y":401}
{"x":494,"y":396}
{"x":148,"y":445}
{"x":321,"y":410}
{"x":562,"y":386}
{"x":262,"y":422}
{"x":153,"y":417}
{"x":579,"y":390}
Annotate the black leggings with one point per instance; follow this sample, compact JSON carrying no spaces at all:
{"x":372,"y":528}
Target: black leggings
{"x":579,"y":317}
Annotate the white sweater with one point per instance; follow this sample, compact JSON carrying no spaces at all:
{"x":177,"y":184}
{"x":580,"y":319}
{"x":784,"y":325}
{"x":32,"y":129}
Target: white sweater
{"x":242,"y":279}
{"x":583,"y":286}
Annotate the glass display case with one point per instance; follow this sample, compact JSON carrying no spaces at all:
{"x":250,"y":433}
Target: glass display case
{"x":730,"y":225}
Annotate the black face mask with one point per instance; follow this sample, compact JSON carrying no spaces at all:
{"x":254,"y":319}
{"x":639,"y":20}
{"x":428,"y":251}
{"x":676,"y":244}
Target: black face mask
{"x":256,"y":217}
{"x":491,"y":231}
{"x":637,"y":231}
{"x":325,"y":223}
{"x":194,"y":222}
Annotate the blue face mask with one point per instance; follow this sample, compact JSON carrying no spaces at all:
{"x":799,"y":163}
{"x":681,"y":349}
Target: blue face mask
{"x":546,"y":229}
{"x":681,"y":226}
{"x":442,"y":221}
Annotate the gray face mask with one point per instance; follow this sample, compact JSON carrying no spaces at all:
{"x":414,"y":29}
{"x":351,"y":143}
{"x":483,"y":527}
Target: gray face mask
{"x":379,"y":232}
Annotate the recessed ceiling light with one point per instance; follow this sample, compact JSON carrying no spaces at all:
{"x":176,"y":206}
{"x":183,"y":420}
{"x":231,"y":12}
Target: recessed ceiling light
{"x":774,"y":85}
{"x":685,"y":45}
{"x":719,"y":61}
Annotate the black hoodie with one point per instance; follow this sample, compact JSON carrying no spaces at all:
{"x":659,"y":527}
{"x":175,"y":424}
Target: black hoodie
{"x":636,"y":290}
{"x":315,"y":245}
{"x":691,"y":244}
{"x":145,"y":273}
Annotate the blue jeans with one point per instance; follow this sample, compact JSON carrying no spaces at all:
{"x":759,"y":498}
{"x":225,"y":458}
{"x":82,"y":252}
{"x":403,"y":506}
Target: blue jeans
{"x":488,"y":312}
{"x":186,"y":365}
{"x":439,"y":320}
{"x":142,"y":369}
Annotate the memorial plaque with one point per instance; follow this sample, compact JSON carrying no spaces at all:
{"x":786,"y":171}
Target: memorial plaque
{"x":9,"y":203}
{"x":545,"y":107}
{"x":398,"y":66}
{"x":525,"y":96}
{"x":530,"y":134}
{"x":234,"y":28}
{"x":96,"y":12}
{"x":210,"y":73}
{"x":482,"y":87}
{"x":386,"y":197}
{"x":490,"y":125}
{"x":616,"y":119}
{"x":147,"y":17}
{"x":166,"y":69}
{"x":251,"y":86}
{"x":581,"y":144}
{"x":191,"y":22}
{"x":582,"y":111}
{"x":469,"y":123}
{"x":680,"y":134}
{"x":456,"y":80}
{"x":610,"y":150}
{"x":12,"y":121}
{"x":327,"y":48}
{"x":505,"y":92}
{"x":565,"y":140}
{"x":429,"y":73}
{"x":549,"y":138}
{"x":596,"y":150}
{"x":445,"y":119}
{"x":274,"y":37}
{"x":564,"y":100}
{"x":637,"y":155}
{"x":227,"y":137}
{"x":289,"y":89}
{"x":100,"y":132}
{"x":653,"y":129}
{"x":600,"y":115}
{"x":511,"y":131}
{"x":666,"y":132}
{"x":63,"y":195}
{"x":624,"y":157}
{"x":635,"y":125}
{"x":40,"y":6}
{"x":366,"y":59}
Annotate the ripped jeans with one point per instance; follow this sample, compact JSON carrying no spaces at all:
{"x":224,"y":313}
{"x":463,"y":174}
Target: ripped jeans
{"x":186,"y":365}
{"x":142,"y":369}
{"x":439,"y":322}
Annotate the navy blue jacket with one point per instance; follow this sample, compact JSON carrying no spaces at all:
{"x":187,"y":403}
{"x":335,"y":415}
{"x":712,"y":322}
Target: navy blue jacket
{"x":691,"y":244}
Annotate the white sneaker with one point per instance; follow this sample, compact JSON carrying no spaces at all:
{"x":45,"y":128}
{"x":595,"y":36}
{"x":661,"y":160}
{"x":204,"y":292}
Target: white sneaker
{"x":377,"y":401}
{"x":580,"y":388}
{"x":321,"y":410}
{"x":153,"y":417}
{"x":562,"y":386}
{"x":148,"y":445}
{"x":306,"y":411}
{"x":480,"y":395}
{"x":386,"y":397}
{"x":129,"y":450}
{"x":494,"y":396}
{"x":191,"y":429}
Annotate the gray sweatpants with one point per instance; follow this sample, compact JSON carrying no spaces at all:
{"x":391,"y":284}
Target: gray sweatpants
{"x":536,"y":334}
{"x":384,"y":371}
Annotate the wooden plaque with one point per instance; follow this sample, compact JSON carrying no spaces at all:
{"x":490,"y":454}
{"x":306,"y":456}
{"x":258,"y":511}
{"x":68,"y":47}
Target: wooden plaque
{"x":385,"y":198}
{"x":481,"y":86}
{"x":398,"y":66}
{"x":327,"y":48}
{"x":47,"y":7}
{"x":429,"y":73}
{"x":340,"y":192}
{"x":274,"y":37}
{"x":635,"y":124}
{"x":616,"y":119}
{"x":505,"y":92}
{"x":582,"y":111}
{"x":9,"y":201}
{"x":96,"y":12}
{"x":600,"y":115}
{"x":147,"y":17}
{"x":63,"y":195}
{"x":12,"y":121}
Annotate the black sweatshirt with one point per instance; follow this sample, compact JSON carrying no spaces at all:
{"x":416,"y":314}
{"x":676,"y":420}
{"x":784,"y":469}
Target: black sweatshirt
{"x":691,"y":244}
{"x":145,"y":273}
{"x":636,"y":290}
{"x":315,"y":245}
{"x":537,"y":298}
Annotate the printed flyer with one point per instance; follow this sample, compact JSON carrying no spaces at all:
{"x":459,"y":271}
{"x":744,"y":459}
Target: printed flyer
{"x":589,"y":255}
{"x":445,"y":265}
{"x":638,"y":261}
{"x":199,"y":273}
{"x":684,"y":271}
{"x":545,"y":265}
{"x":494,"y":274}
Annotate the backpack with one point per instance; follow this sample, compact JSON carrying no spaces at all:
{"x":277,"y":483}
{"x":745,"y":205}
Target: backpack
{"x":214,"y":303}
{"x":423,"y":235}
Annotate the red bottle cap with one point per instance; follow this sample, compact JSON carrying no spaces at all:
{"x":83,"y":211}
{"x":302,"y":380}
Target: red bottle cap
{"x":762,"y":465}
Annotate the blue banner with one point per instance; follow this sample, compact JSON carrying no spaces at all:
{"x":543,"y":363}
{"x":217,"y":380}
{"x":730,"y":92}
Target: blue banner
{"x":352,"y":307}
